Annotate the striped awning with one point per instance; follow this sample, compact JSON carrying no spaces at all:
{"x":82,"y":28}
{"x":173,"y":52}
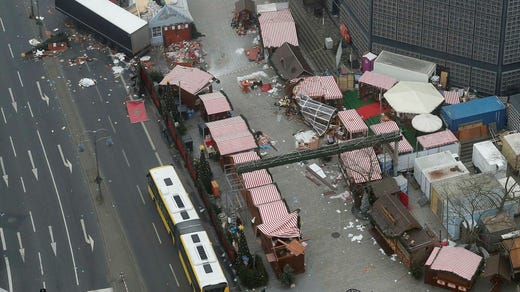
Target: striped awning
{"x":403,"y":146}
{"x":215,"y":103}
{"x":245,"y":157}
{"x":277,"y":27}
{"x":256,"y":178}
{"x":231,"y":135}
{"x":273,"y":211}
{"x":437,"y":139}
{"x":317,"y":86}
{"x":377,"y":80}
{"x":284,"y":227}
{"x":264,"y":194}
{"x":452,"y":97}
{"x":352,"y":121}
{"x":361,"y":165}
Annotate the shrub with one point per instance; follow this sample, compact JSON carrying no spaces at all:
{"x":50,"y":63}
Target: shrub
{"x":253,"y":275}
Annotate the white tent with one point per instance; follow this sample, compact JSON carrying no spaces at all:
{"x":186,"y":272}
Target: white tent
{"x":427,"y":123}
{"x":413,"y":97}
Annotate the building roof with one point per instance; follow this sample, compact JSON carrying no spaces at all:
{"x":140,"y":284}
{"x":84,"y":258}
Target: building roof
{"x":405,"y":62}
{"x":437,"y":139}
{"x":256,"y":178}
{"x":264,"y":194}
{"x":455,"y":260}
{"x":285,"y":226}
{"x":319,"y":86}
{"x":403,"y":146}
{"x":290,"y":63}
{"x":441,"y":172}
{"x":392,"y":217}
{"x":172,"y":14}
{"x":192,"y":80}
{"x":277,"y":27}
{"x":245,"y":157}
{"x":361,"y":165}
{"x":377,"y":80}
{"x":352,"y":121}
{"x":513,"y":140}
{"x":115,"y":14}
{"x":231,"y":135}
{"x":215,"y":103}
{"x":513,"y":247}
{"x":452,"y":97}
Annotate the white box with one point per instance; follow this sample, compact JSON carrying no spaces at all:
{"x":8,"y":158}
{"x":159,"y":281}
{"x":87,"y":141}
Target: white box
{"x":328,"y":43}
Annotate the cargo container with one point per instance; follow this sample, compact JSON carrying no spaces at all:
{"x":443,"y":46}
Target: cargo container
{"x":487,"y":110}
{"x":112,"y":23}
{"x":425,"y":162}
{"x":404,"y":68}
{"x":486,"y":158}
{"x":511,"y":150}
{"x":440,"y":173}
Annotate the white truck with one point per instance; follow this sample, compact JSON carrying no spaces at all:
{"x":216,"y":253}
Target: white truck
{"x":488,"y":159}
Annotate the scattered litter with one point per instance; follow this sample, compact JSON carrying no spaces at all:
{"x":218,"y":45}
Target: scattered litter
{"x":239,"y":51}
{"x":34,"y":42}
{"x":145,"y":58}
{"x":254,"y":75}
{"x":393,"y":257}
{"x":357,"y":238}
{"x":120,"y":56}
{"x":87,"y":82}
{"x":382,"y":251}
{"x":117,"y":69}
{"x":338,"y":211}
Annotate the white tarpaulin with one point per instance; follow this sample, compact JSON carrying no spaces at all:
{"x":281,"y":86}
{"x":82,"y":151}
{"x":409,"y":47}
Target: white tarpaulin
{"x":427,"y":123}
{"x":413,"y":97}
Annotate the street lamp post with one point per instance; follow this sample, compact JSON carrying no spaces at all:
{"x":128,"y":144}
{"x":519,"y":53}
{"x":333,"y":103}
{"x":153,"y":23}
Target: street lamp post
{"x":108,"y":142}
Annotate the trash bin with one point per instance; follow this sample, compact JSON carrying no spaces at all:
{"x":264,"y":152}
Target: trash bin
{"x":188,"y":142}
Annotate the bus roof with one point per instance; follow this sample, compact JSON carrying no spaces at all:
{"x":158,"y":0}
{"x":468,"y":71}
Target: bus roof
{"x":173,"y":194}
{"x":203,"y":258}
{"x":115,"y":14}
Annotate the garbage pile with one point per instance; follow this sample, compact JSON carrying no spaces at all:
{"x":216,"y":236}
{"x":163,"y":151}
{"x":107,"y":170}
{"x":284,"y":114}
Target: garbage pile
{"x":186,"y":53}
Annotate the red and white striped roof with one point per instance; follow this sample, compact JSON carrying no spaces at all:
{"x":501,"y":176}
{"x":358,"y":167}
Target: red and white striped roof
{"x":377,"y":80}
{"x":361,"y":165}
{"x":245,"y":157}
{"x":231,"y":135}
{"x":192,"y":80}
{"x":455,"y":260}
{"x":215,"y":103}
{"x":284,"y":227}
{"x":452,"y":97}
{"x":437,"y":139}
{"x":403,"y":146}
{"x":256,"y":178}
{"x":264,"y":194}
{"x":277,"y":27}
{"x":273,"y":211}
{"x":352,"y":121}
{"x":317,"y":86}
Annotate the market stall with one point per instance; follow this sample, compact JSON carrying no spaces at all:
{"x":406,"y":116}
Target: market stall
{"x":353,"y":123}
{"x":215,"y":106}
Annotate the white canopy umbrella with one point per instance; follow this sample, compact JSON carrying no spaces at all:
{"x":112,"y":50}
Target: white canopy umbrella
{"x":426,"y":123}
{"x":413,"y":97}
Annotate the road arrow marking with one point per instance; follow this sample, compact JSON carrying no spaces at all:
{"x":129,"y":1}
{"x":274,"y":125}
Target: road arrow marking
{"x":88,"y":238}
{"x":42,"y":95}
{"x":53,"y":243}
{"x":66,"y":162}
{"x":12,"y":145}
{"x":34,"y":169}
{"x":4,"y":174}
{"x":21,"y":249}
{"x":9,"y":276}
{"x":13,"y":102}
{"x":3,"y":115}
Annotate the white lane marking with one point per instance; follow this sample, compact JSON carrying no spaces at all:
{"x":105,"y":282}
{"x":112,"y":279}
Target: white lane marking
{"x":156,"y":233}
{"x":61,"y":210}
{"x":21,"y":249}
{"x":33,"y":168}
{"x":4,"y":247}
{"x":19,"y":78}
{"x":12,"y":145}
{"x":126,"y":158}
{"x":13,"y":102}
{"x":112,"y":125}
{"x":11,"y":51}
{"x":41,"y":263}
{"x":158,"y":158}
{"x":102,"y":290}
{"x":4,"y":174}
{"x":148,"y":136}
{"x":53,"y":243}
{"x":3,"y":115}
{"x":43,"y":96}
{"x":30,"y":109}
{"x":140,"y":194}
{"x":175,"y":276}
{"x":2,"y":22}
{"x":9,"y":277}
{"x":23,"y":185}
{"x":32,"y":221}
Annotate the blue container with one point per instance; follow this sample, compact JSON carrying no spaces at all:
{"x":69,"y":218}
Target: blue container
{"x":488,"y":110}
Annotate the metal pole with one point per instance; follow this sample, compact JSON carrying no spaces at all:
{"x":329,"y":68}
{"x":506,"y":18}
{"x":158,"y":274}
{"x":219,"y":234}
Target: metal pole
{"x":31,"y":16}
{"x":98,"y":177}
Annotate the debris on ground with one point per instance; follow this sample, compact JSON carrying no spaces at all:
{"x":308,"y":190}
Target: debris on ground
{"x":186,"y":53}
{"x":87,"y":82}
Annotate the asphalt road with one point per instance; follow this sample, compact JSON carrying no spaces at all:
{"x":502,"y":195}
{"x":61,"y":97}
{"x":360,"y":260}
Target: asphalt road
{"x":58,"y":229}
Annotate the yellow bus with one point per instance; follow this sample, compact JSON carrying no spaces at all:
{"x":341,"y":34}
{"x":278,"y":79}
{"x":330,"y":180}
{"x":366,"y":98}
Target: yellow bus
{"x":182,"y":222}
